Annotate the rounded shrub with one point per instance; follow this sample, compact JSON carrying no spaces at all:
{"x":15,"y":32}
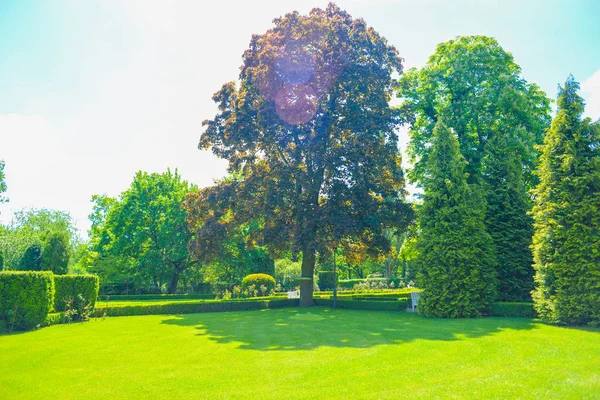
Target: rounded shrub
{"x":259,"y":280}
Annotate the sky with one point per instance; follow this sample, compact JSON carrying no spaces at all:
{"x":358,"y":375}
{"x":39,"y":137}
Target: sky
{"x":93,"y":91}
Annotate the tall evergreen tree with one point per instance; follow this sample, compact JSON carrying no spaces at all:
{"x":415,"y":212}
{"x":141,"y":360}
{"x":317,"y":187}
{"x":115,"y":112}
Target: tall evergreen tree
{"x":456,"y":261}
{"x":566,"y":244}
{"x":55,"y":253}
{"x":32,"y":259}
{"x":507,"y":219}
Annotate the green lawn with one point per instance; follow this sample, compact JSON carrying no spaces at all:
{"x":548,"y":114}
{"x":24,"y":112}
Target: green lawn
{"x":294,"y":353}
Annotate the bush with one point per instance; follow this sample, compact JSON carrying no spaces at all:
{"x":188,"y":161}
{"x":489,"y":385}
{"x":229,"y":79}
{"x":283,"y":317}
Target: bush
{"x":69,"y":287}
{"x":524,"y":310}
{"x":32,"y":258}
{"x":191,"y":308}
{"x":258,"y":280}
{"x":26,"y":298}
{"x":142,"y":297}
{"x":398,"y":305}
{"x":372,"y":282}
{"x":326,"y":280}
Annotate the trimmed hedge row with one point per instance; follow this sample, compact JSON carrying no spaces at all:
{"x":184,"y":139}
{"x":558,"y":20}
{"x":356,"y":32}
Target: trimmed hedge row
{"x":191,"y":308}
{"x":365,"y":304}
{"x":522,"y":310}
{"x":127,"y":297}
{"x":69,"y":287}
{"x":26,"y":298}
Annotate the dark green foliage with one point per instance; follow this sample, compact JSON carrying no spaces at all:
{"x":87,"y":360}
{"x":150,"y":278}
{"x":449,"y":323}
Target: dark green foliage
{"x":398,"y":305}
{"x":524,"y":310}
{"x":566,"y":244}
{"x":69,"y":287}
{"x":259,"y":280}
{"x":1,"y":260}
{"x":32,"y":259}
{"x":456,"y":261}
{"x":507,"y":220}
{"x":326,"y":280}
{"x":55,"y":254}
{"x":26,"y":298}
{"x":200,"y":307}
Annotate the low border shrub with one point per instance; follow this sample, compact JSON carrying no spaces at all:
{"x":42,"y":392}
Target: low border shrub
{"x":191,"y":308}
{"x":397,"y":305}
{"x":132,"y":297}
{"x":522,"y":310}
{"x":26,"y":298}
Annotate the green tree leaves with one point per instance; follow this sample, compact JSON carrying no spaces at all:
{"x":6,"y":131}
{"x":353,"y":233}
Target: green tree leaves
{"x":566,"y":244}
{"x":455,"y":253}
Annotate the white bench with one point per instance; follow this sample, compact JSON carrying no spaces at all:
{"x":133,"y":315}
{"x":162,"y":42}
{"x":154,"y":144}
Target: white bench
{"x":414,"y":297}
{"x":293,"y":294}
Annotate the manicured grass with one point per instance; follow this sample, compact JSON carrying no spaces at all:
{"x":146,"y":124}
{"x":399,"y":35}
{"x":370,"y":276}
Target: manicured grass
{"x":295,"y":353}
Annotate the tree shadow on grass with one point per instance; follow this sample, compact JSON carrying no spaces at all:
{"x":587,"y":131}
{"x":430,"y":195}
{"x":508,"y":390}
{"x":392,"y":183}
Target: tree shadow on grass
{"x":306,"y":329}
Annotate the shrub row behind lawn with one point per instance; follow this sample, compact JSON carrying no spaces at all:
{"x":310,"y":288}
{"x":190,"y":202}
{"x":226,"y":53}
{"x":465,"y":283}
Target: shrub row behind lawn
{"x":26,"y":298}
{"x":524,"y":310}
{"x":191,"y":308}
{"x":378,"y":305}
{"x":127,"y":297}
{"x":69,"y":287}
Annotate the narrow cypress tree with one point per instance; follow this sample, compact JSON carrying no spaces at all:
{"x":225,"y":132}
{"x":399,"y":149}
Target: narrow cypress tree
{"x":456,"y":261}
{"x":507,"y":220}
{"x":32,"y":258}
{"x":55,"y":254}
{"x":566,"y":243}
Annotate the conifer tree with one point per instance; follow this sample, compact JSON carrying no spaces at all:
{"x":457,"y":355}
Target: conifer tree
{"x":456,"y":257}
{"x":566,"y":243}
{"x":507,"y":220}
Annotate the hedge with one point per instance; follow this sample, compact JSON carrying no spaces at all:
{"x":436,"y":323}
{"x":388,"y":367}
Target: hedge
{"x":127,"y":297}
{"x":524,"y":310}
{"x":26,"y":298}
{"x":71,"y":286}
{"x":258,"y":280}
{"x":326,"y":280}
{"x":191,"y":308}
{"x":365,"y":304}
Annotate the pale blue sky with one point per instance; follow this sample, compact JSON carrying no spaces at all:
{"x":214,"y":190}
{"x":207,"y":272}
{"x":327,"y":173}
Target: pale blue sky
{"x":92,"y":91}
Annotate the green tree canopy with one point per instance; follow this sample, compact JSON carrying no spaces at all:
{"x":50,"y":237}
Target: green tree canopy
{"x":145,"y":230}
{"x":310,"y":138}
{"x":477,"y":88}
{"x":455,"y":253}
{"x":566,"y":244}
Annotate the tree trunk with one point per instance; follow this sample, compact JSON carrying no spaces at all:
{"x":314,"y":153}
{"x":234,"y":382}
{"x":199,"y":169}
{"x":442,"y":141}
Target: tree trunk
{"x":173,"y":283}
{"x":308,"y":270}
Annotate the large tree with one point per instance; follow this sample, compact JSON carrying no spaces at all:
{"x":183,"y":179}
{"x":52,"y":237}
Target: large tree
{"x":455,"y":253}
{"x":475,"y":86}
{"x":310,"y":136}
{"x":146,"y":229}
{"x":566,"y":244}
{"x":507,"y":219}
